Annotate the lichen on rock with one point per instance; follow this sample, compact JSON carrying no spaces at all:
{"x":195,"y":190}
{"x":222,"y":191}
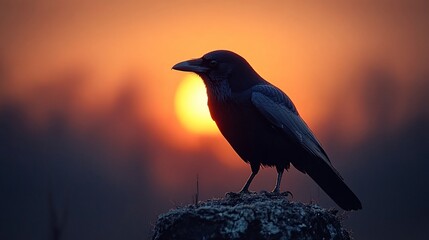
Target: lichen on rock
{"x":250,"y":216}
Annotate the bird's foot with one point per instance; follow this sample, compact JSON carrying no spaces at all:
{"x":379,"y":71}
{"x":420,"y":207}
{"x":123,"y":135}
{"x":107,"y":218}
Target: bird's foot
{"x":232,"y":194}
{"x":286,"y":194}
{"x":238,"y":194}
{"x":246,"y":191}
{"x":277,"y":192}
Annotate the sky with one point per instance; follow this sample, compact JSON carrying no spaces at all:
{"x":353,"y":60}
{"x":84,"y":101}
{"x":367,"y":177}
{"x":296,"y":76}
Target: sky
{"x":90,"y":133}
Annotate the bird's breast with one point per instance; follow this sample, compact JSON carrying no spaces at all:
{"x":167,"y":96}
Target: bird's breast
{"x":249,"y":133}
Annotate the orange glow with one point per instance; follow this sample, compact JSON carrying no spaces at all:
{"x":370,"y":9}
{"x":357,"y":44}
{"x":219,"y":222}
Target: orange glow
{"x":309,"y":50}
{"x":191,"y":106}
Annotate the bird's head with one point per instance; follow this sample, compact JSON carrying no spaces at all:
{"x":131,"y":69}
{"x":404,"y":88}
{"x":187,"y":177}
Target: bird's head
{"x":223,"y":72}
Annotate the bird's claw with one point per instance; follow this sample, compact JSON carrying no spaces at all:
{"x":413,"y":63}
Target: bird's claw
{"x":277,"y":192}
{"x":232,"y":194}
{"x":246,"y":191}
{"x":287,"y":193}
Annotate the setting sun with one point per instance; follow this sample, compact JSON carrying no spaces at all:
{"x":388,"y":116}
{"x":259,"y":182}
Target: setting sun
{"x":191,"y":106}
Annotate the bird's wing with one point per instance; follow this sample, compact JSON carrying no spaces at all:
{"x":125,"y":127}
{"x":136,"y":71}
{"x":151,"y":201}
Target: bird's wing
{"x":279,"y":110}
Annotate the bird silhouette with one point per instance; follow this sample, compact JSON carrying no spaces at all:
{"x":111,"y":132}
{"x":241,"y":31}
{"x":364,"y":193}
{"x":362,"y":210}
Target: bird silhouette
{"x":262,"y":125}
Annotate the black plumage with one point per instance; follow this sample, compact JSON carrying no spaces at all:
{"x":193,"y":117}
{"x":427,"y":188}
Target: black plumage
{"x":262,"y":124}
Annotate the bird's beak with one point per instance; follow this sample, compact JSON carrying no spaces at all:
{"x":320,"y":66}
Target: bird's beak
{"x":193,"y":65}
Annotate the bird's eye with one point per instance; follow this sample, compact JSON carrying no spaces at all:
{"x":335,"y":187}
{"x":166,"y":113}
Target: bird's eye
{"x":213,"y":63}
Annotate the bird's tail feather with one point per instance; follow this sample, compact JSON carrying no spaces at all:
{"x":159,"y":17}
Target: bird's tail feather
{"x":332,"y":183}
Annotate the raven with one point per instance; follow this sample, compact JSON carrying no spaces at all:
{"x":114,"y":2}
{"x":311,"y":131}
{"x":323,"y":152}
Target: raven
{"x":262,"y":125}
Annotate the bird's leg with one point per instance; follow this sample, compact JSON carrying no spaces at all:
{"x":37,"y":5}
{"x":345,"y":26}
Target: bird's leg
{"x":279,"y":180}
{"x":245,"y":188}
{"x":276,"y":189}
{"x":255,"y":170}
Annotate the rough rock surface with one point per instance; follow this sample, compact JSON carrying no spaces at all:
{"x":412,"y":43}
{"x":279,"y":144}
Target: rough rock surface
{"x":250,"y":216}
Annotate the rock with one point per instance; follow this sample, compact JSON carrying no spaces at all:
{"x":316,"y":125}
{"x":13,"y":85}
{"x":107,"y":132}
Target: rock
{"x":250,"y":216}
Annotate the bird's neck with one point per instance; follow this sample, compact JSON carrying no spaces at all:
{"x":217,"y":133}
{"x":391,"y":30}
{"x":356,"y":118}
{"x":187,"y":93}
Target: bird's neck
{"x":218,"y":91}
